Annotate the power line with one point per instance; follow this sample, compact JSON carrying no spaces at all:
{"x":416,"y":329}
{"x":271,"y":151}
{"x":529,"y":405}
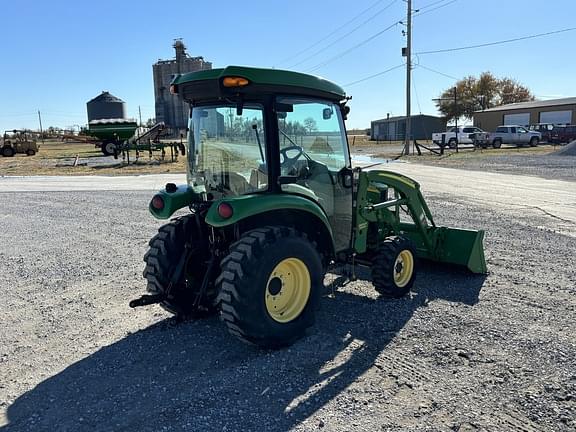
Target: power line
{"x":343,"y":36}
{"x":429,"y":5}
{"x":416,"y":93}
{"x":497,"y":42}
{"x":438,"y":72}
{"x":436,"y":8}
{"x":365,"y":41}
{"x":331,"y":33}
{"x":374,"y":76}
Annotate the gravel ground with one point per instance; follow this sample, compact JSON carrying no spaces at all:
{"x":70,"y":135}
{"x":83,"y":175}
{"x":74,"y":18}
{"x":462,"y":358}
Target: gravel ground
{"x":546,"y":166}
{"x":461,"y":353}
{"x":512,"y":161}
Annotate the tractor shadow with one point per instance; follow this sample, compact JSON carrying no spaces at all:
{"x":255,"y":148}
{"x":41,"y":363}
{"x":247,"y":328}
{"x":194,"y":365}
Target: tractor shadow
{"x":194,"y":376}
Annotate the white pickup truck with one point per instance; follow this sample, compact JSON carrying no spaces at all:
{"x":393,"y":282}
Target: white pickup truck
{"x":514,"y":134}
{"x":466,"y":135}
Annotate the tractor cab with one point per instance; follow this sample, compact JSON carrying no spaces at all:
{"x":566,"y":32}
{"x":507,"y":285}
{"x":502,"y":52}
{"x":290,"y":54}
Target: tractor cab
{"x":253,"y":143}
{"x":275,"y":202}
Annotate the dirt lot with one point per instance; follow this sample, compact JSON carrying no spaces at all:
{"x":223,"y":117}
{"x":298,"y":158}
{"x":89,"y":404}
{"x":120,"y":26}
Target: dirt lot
{"x":461,"y":353}
{"x":58,"y":158}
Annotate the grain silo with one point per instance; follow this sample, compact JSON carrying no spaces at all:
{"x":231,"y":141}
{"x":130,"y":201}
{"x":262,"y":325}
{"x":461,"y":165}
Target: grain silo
{"x":171,"y":109}
{"x":105,"y":106}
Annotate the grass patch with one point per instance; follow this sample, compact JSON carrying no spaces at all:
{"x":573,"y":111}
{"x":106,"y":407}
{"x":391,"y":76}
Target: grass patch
{"x":57,"y":158}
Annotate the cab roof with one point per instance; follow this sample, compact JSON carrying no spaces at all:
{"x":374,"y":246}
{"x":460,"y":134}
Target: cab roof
{"x":208,"y":84}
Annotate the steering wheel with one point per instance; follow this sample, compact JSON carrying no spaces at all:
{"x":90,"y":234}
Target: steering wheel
{"x":288,"y":162}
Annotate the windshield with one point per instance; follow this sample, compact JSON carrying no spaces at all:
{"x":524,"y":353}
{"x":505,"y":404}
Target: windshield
{"x":311,"y":130}
{"x":227,"y":150}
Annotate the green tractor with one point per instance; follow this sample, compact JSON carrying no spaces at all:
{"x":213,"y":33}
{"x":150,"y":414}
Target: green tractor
{"x":274,"y":202}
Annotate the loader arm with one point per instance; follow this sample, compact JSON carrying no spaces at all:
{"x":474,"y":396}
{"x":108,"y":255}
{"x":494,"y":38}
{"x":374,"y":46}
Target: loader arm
{"x":389,"y":203}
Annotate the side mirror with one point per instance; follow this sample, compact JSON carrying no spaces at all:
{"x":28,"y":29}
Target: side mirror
{"x":345,"y":111}
{"x":327,"y":113}
{"x":282,"y":115}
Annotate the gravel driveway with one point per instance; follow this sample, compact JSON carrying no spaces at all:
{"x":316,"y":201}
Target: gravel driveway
{"x":461,"y":353}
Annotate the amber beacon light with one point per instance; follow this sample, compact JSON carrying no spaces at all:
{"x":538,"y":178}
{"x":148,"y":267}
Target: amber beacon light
{"x":235,"y":82}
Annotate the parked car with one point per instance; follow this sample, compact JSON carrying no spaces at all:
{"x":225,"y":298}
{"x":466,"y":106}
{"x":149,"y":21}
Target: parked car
{"x":564,"y":134}
{"x":466,"y":135}
{"x":545,"y":130}
{"x":514,"y":134}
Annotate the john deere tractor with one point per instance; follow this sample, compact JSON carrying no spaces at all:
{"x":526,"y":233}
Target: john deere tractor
{"x":274,"y":202}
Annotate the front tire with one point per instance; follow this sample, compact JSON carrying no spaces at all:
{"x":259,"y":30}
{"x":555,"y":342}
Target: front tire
{"x":166,"y":249}
{"x":533,"y":142}
{"x":452,"y":143}
{"x":394,"y":267}
{"x":270,"y":286}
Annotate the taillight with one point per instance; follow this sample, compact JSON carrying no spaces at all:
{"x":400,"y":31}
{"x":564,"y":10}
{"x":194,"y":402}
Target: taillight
{"x":157,"y":202}
{"x":225,"y":210}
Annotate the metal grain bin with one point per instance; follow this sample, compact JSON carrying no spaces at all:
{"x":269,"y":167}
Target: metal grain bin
{"x":106,"y":106}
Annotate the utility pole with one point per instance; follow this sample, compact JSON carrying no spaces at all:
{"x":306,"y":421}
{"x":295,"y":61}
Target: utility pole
{"x":456,"y":116}
{"x":40,"y":121}
{"x":408,"y":53}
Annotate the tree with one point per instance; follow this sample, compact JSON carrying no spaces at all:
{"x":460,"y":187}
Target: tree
{"x":475,"y":94}
{"x":310,"y":124}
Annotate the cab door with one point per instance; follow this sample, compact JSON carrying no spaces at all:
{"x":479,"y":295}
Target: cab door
{"x":314,"y":153}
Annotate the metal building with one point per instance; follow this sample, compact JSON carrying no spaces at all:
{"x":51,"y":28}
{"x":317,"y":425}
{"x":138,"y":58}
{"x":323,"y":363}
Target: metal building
{"x":555,"y":111}
{"x":394,"y":128}
{"x":169,"y":108}
{"x":105,"y":106}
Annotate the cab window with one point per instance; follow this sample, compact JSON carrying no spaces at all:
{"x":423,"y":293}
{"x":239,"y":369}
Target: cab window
{"x":310,"y":129}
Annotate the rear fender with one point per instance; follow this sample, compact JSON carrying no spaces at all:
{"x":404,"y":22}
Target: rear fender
{"x":247,"y":206}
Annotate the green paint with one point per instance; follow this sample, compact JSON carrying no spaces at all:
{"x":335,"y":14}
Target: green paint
{"x":265,"y":77}
{"x":442,"y":244}
{"x":182,"y":197}
{"x":245,"y":206}
{"x":113,"y":131}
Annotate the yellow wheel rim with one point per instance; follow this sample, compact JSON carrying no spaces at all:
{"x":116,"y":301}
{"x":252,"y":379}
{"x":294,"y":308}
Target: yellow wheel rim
{"x":403,"y":268}
{"x":288,"y":290}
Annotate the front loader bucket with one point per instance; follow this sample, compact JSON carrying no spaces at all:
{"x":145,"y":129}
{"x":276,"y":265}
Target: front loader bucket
{"x":461,"y":247}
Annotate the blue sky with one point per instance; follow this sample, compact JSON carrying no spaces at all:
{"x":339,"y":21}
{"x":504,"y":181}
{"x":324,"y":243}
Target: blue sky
{"x":57,"y":55}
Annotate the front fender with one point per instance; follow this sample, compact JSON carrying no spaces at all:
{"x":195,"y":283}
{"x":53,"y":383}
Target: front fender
{"x":246,"y":206}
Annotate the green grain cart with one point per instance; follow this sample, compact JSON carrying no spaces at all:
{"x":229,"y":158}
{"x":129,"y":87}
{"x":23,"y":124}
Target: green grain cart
{"x":112,"y":133}
{"x":274,"y":202}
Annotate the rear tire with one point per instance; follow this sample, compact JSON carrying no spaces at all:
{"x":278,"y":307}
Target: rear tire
{"x":270,"y":286}
{"x":30,"y":152}
{"x":497,"y":144}
{"x":8,"y":152}
{"x":394,"y":267}
{"x":166,"y":249}
{"x":452,"y":143}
